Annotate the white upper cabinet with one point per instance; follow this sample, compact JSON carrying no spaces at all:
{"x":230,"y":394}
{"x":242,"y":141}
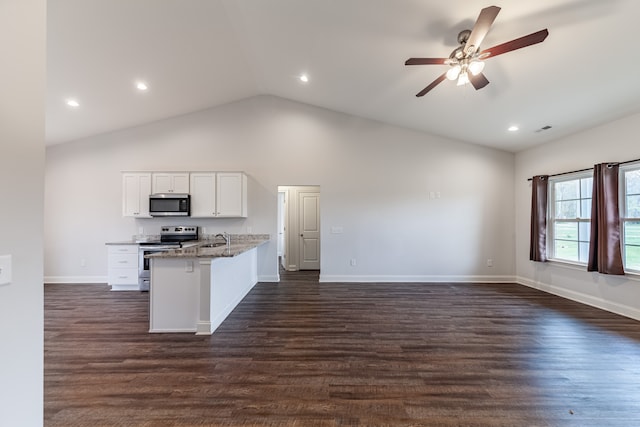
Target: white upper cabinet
{"x":136,"y":188}
{"x":203,"y":194}
{"x":213,"y":194}
{"x":231,"y":194}
{"x":218,"y":195}
{"x":170,"y":182}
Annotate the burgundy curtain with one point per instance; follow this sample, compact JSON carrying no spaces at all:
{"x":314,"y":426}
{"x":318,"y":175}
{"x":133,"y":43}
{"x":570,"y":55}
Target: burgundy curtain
{"x":538,"y":242}
{"x":605,"y":254}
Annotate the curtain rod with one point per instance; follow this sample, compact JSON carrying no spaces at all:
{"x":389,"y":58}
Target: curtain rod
{"x":587,"y":169}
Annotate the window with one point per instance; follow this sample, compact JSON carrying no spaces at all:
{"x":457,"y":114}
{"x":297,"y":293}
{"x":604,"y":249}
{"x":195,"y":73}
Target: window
{"x":570,"y":217}
{"x":630,"y":217}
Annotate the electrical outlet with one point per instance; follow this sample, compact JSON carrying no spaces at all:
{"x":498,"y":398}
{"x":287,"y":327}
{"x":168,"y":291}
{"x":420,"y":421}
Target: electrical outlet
{"x":188,"y":267}
{"x":83,"y":262}
{"x":489,"y":262}
{"x":353,"y":262}
{"x":5,"y":270}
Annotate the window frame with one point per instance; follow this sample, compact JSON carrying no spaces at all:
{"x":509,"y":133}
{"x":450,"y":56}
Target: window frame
{"x":552,"y":220}
{"x":624,"y":218}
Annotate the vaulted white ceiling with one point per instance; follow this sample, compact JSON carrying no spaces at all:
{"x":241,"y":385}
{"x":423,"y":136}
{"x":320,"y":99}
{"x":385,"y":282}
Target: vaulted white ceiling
{"x":197,"y":54}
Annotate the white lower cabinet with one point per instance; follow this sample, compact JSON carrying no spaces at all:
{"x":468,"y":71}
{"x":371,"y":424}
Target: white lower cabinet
{"x":122,"y":267}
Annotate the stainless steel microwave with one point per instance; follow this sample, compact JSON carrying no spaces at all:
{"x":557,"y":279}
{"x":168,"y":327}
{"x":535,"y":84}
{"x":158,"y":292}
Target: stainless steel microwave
{"x":169,"y":204}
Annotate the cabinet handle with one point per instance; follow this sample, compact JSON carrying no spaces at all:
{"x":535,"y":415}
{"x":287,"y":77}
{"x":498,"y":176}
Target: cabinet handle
{"x":122,"y":277}
{"x":122,"y":262}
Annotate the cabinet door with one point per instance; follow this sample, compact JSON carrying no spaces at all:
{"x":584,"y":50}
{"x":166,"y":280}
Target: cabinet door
{"x":136,"y":188}
{"x":170,"y":182}
{"x":161,"y":183}
{"x":231,"y":194}
{"x":203,"y":194}
{"x":180,"y":183}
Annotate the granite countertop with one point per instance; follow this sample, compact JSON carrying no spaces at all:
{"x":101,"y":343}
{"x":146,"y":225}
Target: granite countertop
{"x":200,"y":249}
{"x":136,"y":240}
{"x":125,"y":242}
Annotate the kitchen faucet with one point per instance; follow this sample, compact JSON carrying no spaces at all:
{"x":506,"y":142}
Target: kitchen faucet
{"x":225,"y":237}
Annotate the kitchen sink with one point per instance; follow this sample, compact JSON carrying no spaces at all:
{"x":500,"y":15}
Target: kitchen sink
{"x":213,"y":245}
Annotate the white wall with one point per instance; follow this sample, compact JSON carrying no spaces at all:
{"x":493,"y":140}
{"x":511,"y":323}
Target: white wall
{"x":22,"y":85}
{"x":616,"y":141}
{"x":375,"y":179}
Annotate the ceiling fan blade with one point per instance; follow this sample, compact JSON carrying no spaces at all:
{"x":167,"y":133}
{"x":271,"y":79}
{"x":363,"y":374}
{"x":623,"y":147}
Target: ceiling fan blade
{"x":478,"y":81}
{"x":425,"y":61}
{"x":481,"y":28}
{"x":433,"y":84}
{"x":528,"y":40}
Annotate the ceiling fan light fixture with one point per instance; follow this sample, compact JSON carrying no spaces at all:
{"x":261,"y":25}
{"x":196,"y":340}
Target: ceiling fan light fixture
{"x":454,"y":72}
{"x":476,"y":67}
{"x":463,"y":79}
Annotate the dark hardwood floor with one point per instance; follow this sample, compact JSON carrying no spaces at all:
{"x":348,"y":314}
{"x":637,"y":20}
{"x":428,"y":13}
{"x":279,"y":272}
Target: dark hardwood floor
{"x":300,"y":353}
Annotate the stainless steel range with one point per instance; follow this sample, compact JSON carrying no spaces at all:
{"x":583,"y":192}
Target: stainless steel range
{"x":171,"y":237}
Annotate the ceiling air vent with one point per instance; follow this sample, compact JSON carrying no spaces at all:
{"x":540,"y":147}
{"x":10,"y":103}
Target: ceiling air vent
{"x":547,"y":127}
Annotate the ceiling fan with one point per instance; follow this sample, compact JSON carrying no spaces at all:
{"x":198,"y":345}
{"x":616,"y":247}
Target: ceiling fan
{"x":466,"y":62}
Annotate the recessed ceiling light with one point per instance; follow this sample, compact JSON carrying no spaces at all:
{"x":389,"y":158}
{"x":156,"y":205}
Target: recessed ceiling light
{"x":142,"y":86}
{"x":513,"y":128}
{"x":73,"y":103}
{"x":304,"y":78}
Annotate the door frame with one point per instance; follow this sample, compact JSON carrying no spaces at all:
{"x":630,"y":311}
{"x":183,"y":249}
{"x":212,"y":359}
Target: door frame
{"x":291,"y":250}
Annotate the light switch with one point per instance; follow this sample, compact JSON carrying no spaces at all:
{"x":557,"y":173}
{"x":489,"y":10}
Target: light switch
{"x":5,"y":269}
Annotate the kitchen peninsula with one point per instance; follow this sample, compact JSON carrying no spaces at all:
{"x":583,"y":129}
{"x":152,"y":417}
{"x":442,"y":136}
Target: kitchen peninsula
{"x":193,"y":289}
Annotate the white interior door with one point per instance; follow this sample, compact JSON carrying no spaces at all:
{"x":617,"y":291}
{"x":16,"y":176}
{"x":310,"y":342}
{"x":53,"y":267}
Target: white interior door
{"x":281,"y":222}
{"x":309,"y":228}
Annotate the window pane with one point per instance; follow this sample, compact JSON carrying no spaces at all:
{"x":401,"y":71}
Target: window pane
{"x":566,"y":231}
{"x":585,"y":207}
{"x":632,"y":233}
{"x":567,"y":190}
{"x":584,"y":251}
{"x":566,"y":250}
{"x":632,"y":257}
{"x":567,"y":210}
{"x":632,"y":179}
{"x":584,"y":229}
{"x":633,"y":206}
{"x":586,"y":187}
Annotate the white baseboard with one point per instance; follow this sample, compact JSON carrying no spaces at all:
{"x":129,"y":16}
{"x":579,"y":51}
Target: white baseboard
{"x":171,"y":331}
{"x":415,"y":279}
{"x":80,"y":280}
{"x":203,"y":327}
{"x":269,"y":278}
{"x":125,"y":288}
{"x":613,"y":307}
